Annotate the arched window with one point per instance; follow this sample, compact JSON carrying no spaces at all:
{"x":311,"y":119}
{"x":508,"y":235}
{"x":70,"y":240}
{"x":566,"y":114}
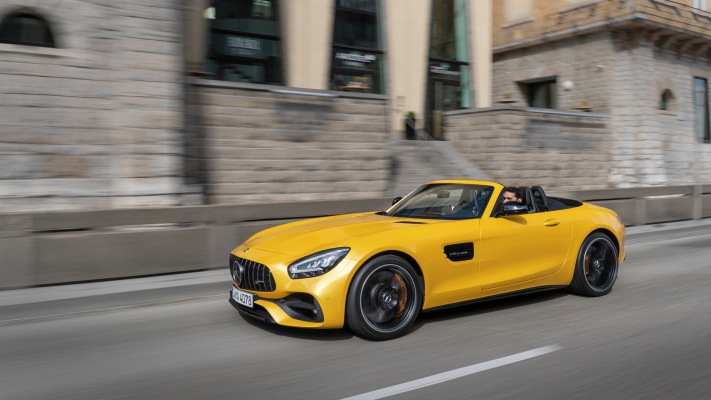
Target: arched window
{"x":666,"y":101}
{"x":26,"y":29}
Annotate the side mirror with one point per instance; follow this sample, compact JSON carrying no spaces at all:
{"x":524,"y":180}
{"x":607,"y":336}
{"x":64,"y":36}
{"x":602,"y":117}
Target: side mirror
{"x":395,"y":200}
{"x":514,"y":209}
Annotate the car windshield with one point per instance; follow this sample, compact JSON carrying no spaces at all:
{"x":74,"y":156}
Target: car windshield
{"x":444,"y":201}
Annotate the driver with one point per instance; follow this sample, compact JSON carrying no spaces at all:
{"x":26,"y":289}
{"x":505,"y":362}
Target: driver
{"x":512,"y":195}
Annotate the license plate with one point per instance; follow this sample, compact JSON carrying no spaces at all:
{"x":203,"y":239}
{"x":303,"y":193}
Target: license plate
{"x":243,"y":298}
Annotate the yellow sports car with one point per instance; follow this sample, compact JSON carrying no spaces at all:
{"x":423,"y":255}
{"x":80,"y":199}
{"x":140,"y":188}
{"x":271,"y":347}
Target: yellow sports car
{"x":449,"y":242}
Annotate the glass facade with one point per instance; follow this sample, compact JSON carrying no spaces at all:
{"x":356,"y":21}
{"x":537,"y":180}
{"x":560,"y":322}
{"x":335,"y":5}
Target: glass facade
{"x":357,"y":57}
{"x":245,"y":43}
{"x":448,"y":81}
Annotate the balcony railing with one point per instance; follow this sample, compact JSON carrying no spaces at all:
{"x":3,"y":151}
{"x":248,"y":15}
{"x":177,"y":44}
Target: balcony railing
{"x":676,"y":16}
{"x":651,"y":15}
{"x":667,"y":14}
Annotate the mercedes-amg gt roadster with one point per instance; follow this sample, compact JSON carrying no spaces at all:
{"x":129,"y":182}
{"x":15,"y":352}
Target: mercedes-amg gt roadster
{"x":450,"y":242}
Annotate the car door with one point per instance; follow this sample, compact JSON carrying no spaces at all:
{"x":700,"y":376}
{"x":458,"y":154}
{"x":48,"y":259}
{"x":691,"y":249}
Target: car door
{"x":449,"y":259}
{"x":519,"y":248}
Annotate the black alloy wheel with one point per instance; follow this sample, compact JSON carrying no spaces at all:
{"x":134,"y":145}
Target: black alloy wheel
{"x":384,"y":299}
{"x":596,"y":267}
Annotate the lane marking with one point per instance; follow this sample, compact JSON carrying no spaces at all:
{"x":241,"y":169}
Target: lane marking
{"x":108,"y":309}
{"x":454,"y":374}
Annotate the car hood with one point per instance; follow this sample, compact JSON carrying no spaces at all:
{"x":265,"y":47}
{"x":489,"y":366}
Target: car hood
{"x":305,"y":237}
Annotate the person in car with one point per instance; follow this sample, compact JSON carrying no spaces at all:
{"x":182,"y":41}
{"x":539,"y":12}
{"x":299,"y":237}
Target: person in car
{"x":512,"y":195}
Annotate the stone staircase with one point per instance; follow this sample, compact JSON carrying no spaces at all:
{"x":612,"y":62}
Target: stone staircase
{"x":415,"y":162}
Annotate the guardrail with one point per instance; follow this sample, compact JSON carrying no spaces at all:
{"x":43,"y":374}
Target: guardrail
{"x":60,"y":247}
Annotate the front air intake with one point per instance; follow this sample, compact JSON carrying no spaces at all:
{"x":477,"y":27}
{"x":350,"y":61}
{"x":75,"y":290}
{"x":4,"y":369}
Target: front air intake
{"x":250,"y":275}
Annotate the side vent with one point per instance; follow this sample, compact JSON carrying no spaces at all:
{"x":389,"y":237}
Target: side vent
{"x":459,"y":252}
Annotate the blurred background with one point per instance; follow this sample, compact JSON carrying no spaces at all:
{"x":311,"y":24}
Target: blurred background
{"x":141,"y":108}
{"x":248,"y":101}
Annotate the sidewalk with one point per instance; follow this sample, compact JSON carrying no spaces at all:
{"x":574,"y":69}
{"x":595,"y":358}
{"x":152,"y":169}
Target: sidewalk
{"x":77,"y":290}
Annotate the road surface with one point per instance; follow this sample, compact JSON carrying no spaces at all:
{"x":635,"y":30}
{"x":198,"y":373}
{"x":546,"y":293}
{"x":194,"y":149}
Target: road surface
{"x":176,"y":337}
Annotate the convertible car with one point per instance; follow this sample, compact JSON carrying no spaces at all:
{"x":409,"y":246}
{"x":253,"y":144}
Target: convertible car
{"x":448,"y":243}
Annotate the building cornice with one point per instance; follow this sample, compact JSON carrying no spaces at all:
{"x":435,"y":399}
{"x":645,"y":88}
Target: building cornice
{"x":639,"y":21}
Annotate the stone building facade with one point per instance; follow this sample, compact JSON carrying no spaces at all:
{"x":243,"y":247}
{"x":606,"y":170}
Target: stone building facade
{"x":94,"y":121}
{"x":107,"y":117}
{"x":636,"y":62}
{"x":122,"y":110}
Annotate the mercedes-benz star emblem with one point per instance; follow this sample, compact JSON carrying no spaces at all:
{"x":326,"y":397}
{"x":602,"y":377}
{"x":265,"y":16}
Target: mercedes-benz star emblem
{"x":238,"y":270}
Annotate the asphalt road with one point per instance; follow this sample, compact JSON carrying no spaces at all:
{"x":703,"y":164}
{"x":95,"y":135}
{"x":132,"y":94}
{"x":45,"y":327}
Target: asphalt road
{"x":176,"y":337}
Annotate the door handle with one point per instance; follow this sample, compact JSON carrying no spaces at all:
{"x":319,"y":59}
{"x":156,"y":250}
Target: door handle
{"x":551,"y":222}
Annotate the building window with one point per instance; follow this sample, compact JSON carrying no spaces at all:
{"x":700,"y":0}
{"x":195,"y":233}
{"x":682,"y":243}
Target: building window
{"x":245,"y":43}
{"x":357,"y":58}
{"x":701,"y":109}
{"x":26,"y":29}
{"x":699,"y":4}
{"x":666,"y":101}
{"x":448,"y":83}
{"x":541,"y":94}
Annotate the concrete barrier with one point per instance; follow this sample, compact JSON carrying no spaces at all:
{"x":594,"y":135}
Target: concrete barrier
{"x":642,"y":206}
{"x":60,"y":247}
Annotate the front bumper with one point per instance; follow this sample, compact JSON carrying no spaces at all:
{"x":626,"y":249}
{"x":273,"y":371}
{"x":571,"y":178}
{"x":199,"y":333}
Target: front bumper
{"x":298,"y":306}
{"x":316,"y":302}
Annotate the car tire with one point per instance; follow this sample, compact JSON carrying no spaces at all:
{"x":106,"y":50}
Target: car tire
{"x":596,"y":267}
{"x":384,"y":299}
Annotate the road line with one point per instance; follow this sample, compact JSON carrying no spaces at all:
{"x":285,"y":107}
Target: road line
{"x":454,"y":374}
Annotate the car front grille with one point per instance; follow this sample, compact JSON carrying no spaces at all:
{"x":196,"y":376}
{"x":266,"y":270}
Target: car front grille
{"x":250,"y":275}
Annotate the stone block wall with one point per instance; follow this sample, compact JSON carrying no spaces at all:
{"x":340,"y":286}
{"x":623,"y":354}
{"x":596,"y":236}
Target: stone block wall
{"x":648,"y":146}
{"x":655,"y":146}
{"x":274,"y":144}
{"x":585,"y":62}
{"x":97,"y":121}
{"x":520,"y":146}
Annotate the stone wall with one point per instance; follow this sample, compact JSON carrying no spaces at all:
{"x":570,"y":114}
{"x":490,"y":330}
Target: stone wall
{"x":274,"y":144}
{"x":654,"y":146}
{"x":649,"y":146}
{"x":585,"y":62}
{"x":520,"y":146}
{"x":97,"y":121}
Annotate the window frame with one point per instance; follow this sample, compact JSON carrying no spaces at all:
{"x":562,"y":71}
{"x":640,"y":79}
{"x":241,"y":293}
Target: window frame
{"x":702,"y":132}
{"x":16,"y":17}
{"x":357,"y":65}
{"x":548,"y":87}
{"x":245,"y":52}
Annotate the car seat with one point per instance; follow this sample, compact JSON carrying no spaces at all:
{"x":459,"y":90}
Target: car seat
{"x":528,"y":199}
{"x":539,"y":198}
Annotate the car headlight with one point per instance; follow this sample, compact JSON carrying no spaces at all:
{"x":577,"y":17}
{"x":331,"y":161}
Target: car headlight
{"x":318,"y":263}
